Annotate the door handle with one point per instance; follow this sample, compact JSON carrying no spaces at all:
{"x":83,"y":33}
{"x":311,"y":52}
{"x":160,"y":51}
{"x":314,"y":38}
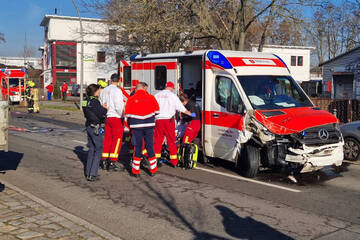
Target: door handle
{"x":215,"y":115}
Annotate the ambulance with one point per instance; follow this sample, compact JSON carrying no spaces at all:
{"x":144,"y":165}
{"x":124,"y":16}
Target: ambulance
{"x":12,"y":84}
{"x":253,"y":112}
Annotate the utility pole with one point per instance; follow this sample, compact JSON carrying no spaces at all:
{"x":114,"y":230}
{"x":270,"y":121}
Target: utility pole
{"x":81,"y":54}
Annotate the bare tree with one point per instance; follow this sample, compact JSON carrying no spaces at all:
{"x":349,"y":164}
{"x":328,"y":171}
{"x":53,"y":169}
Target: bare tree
{"x":334,"y":29}
{"x":227,"y":21}
{"x":147,"y":25}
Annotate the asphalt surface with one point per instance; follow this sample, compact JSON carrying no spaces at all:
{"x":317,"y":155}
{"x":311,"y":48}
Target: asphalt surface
{"x":212,"y":202}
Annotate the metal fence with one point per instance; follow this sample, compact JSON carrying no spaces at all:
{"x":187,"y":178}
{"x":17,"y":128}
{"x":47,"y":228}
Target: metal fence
{"x":345,"y":110}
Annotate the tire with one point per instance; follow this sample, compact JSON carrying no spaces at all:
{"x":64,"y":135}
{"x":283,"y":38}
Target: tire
{"x":249,"y":161}
{"x":351,"y":149}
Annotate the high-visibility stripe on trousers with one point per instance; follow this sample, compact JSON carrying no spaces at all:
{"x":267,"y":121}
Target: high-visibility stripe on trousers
{"x":144,"y":136}
{"x":113,"y":138}
{"x":192,"y":130}
{"x":165,"y":128}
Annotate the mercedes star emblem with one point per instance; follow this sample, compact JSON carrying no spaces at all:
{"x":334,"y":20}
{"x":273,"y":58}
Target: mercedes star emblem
{"x":323,"y":134}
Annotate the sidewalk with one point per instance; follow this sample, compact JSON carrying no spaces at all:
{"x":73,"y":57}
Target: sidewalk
{"x":24,"y":216}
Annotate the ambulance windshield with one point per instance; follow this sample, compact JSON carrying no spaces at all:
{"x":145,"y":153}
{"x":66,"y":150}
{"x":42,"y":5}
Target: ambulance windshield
{"x":273,"y":92}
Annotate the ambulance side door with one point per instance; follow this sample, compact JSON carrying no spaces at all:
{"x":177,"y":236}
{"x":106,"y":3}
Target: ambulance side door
{"x":125,"y":75}
{"x":162,"y":71}
{"x":225,"y":118}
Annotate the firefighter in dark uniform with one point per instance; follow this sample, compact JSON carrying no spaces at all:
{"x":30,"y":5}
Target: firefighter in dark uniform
{"x":95,"y":115}
{"x":29,"y":96}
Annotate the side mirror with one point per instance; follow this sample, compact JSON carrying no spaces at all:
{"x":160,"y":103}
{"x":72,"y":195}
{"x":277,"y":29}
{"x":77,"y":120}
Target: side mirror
{"x":241,"y":108}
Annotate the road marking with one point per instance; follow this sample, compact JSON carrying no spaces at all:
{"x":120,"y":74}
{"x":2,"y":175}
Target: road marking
{"x":249,"y":180}
{"x":81,"y":142}
{"x":352,"y":162}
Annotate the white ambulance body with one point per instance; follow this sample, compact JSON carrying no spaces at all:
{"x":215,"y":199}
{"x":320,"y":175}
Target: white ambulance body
{"x":253,"y":112}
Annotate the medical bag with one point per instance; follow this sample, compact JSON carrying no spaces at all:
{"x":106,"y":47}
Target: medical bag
{"x":188,"y":155}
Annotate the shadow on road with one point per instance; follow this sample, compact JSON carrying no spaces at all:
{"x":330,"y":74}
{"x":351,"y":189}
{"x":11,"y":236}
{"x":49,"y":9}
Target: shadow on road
{"x":234,"y":225}
{"x":82,"y":156}
{"x":247,"y":228}
{"x":9,"y":161}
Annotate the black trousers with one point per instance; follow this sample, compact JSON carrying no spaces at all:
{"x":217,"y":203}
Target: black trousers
{"x":139,"y":136}
{"x":64,"y":96}
{"x":95,"y":152}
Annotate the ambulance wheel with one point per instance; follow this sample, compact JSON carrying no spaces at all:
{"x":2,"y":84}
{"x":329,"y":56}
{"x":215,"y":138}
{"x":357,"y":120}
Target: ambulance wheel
{"x":249,"y":161}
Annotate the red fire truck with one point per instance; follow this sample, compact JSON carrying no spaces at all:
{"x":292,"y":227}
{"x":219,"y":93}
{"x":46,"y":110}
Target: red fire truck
{"x":12,"y":84}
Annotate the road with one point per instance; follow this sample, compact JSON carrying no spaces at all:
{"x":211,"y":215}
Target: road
{"x":211,"y":202}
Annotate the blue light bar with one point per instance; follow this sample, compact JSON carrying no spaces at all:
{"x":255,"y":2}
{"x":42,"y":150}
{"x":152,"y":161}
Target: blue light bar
{"x":132,"y":58}
{"x":217,"y":58}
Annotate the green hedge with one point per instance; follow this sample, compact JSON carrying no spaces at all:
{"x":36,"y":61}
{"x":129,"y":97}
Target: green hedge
{"x":57,"y":92}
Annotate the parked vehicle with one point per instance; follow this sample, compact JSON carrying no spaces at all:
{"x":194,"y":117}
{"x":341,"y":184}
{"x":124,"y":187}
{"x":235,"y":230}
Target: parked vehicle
{"x":253,"y":112}
{"x":75,"y":90}
{"x":12,"y":84}
{"x":351,"y":134}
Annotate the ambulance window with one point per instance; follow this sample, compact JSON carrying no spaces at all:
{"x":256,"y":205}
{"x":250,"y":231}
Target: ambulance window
{"x":235,"y":99}
{"x":127,"y":76}
{"x":227,"y":94}
{"x":160,"y":77}
{"x":223,"y":88}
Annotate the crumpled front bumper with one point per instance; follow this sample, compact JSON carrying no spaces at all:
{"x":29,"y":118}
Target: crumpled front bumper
{"x":315,"y":158}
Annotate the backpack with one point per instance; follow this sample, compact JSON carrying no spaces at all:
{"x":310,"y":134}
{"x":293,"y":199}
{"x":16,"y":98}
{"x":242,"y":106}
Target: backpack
{"x":188,"y":155}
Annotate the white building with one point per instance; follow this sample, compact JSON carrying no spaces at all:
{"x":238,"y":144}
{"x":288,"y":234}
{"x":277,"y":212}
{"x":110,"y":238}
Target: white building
{"x":297,"y":58}
{"x":21,"y":62}
{"x":61,"y":50}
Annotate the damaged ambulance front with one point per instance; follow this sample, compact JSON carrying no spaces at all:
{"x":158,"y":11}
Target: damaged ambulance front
{"x":293,"y":135}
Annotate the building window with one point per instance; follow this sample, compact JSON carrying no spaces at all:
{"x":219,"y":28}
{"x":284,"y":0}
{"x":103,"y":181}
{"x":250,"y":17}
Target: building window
{"x":300,"y":60}
{"x":112,"y":35}
{"x":160,"y":77}
{"x":119,"y":56}
{"x":101,"y":56}
{"x":293,"y":60}
{"x":127,"y":76}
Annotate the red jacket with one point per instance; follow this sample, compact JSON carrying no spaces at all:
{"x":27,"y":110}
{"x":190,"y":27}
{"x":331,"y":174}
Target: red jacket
{"x":64,"y":87}
{"x":50,"y":88}
{"x":140,"y":109}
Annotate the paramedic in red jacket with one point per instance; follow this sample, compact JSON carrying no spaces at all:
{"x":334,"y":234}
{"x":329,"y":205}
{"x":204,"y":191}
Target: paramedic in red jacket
{"x":64,"y":88}
{"x":140,"y":111}
{"x":50,"y":90}
{"x":112,"y":97}
{"x":193,"y":123}
{"x":165,"y":122}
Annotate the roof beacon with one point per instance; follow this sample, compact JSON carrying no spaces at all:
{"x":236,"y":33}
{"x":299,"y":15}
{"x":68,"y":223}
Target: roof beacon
{"x":219,"y":59}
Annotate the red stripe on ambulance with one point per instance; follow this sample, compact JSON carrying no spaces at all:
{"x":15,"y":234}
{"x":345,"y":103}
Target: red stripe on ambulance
{"x":223,"y":119}
{"x":255,"y":62}
{"x":152,"y":65}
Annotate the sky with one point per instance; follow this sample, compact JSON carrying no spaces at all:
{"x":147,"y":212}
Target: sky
{"x":18,"y":17}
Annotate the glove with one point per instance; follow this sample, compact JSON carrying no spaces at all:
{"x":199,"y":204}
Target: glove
{"x":193,"y":115}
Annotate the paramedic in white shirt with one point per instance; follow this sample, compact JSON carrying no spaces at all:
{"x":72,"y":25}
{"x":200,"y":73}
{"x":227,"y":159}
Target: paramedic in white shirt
{"x":112,"y":97}
{"x":169,"y":103}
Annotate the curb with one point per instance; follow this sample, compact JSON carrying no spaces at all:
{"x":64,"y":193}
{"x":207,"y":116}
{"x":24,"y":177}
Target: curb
{"x":101,"y":232}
